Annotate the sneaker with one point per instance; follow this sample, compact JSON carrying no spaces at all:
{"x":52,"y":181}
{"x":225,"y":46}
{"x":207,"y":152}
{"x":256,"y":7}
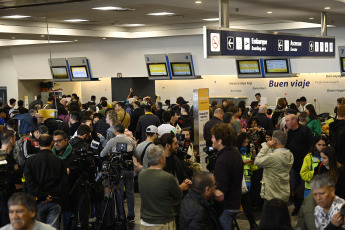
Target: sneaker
{"x":130,"y":218}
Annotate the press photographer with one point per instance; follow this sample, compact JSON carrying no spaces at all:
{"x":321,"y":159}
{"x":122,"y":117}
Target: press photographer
{"x":10,"y":173}
{"x":121,"y":149}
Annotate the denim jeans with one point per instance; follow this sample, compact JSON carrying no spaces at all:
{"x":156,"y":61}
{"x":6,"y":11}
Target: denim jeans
{"x":128,"y":182}
{"x":227,"y":218}
{"x":49,"y":213}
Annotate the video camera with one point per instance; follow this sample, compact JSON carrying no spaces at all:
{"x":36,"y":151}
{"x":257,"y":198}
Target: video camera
{"x":120,"y":160}
{"x":182,"y":150}
{"x":211,"y":158}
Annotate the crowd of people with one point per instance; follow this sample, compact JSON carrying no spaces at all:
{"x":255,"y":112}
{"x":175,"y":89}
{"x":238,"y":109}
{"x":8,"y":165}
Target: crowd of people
{"x":92,"y":156}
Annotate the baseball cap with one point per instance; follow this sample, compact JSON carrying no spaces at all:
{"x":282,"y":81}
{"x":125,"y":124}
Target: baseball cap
{"x":152,"y":129}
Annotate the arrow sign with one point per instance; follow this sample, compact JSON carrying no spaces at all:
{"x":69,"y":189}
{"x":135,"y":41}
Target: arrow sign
{"x":311,"y":46}
{"x":280,"y":45}
{"x":230,"y":41}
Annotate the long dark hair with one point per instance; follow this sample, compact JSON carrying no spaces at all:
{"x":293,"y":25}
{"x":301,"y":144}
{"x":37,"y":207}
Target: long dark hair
{"x":316,"y":140}
{"x":275,"y":215}
{"x":240,"y":139}
{"x":312,"y":112}
{"x":333,"y":164}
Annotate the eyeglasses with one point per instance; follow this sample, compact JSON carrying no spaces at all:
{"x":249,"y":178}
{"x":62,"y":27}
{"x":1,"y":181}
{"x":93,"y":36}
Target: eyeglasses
{"x":58,"y":141}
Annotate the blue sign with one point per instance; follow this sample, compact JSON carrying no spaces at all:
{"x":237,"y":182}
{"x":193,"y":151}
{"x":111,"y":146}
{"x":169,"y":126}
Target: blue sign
{"x":243,"y":43}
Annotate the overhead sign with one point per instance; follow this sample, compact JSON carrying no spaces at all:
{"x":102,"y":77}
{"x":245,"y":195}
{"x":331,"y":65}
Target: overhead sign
{"x":228,"y":42}
{"x":341,"y":51}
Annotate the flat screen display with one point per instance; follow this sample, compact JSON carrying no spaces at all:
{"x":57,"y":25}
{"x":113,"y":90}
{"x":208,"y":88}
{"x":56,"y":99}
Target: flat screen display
{"x":157,"y":69}
{"x":276,"y":66}
{"x":343,"y":64}
{"x":248,"y":66}
{"x":60,"y":72}
{"x":181,"y":69}
{"x":79,"y":72}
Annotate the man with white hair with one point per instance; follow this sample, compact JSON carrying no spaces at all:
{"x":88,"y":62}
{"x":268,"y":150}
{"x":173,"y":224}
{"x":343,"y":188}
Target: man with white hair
{"x":327,"y":212}
{"x":265,"y":122}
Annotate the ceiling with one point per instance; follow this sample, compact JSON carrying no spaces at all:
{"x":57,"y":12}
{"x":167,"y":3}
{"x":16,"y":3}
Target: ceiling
{"x":187,"y":19}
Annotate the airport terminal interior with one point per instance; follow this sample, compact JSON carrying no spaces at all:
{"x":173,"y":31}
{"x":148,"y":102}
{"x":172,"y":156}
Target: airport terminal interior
{"x":210,"y":61}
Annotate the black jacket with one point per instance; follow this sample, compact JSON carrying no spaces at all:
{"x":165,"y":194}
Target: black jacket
{"x":229,"y":174}
{"x":185,"y":121}
{"x":197,"y":213}
{"x":207,"y":129}
{"x":134,"y":120}
{"x":299,"y":142}
{"x":45,"y":174}
{"x":74,"y":127}
{"x":265,"y":122}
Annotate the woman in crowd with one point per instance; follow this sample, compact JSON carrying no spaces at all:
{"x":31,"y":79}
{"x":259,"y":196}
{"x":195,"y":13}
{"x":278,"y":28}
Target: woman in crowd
{"x":255,"y":133}
{"x":311,"y":160}
{"x":313,"y":120}
{"x":111,"y":119}
{"x":329,"y":164}
{"x":224,"y":105}
{"x":279,"y":111}
{"x":243,"y":144}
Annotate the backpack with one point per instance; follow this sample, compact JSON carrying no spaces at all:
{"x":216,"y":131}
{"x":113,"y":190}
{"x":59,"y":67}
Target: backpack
{"x":18,"y":153}
{"x":53,"y":124}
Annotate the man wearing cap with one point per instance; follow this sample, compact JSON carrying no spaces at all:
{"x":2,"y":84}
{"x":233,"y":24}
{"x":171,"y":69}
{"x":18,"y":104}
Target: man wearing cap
{"x":166,"y":127}
{"x":300,"y":139}
{"x":143,"y":147}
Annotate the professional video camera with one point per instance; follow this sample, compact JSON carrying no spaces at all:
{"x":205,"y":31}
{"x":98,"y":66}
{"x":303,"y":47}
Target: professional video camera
{"x":182,"y":150}
{"x":120,"y":160}
{"x":210,"y":160}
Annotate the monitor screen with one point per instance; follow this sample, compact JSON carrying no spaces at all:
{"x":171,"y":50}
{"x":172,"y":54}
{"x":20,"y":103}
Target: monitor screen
{"x":157,"y":69}
{"x":79,"y":72}
{"x":343,"y":64}
{"x":181,"y":69}
{"x":248,"y":66}
{"x":60,"y":72}
{"x":276,"y":66}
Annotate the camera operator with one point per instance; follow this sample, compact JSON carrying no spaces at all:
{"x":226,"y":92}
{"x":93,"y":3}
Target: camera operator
{"x":83,"y":139}
{"x":46,"y":178}
{"x":128,"y":175}
{"x":10,"y":173}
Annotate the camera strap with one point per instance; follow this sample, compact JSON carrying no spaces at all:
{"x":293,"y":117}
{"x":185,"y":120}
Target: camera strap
{"x":143,"y":154}
{"x":124,"y":116}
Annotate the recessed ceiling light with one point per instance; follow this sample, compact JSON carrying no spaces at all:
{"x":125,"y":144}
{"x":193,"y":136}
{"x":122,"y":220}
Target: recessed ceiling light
{"x":75,"y":40}
{"x":132,"y":25}
{"x":160,"y":14}
{"x":16,"y":16}
{"x":76,"y":20}
{"x":104,"y":38}
{"x":327,"y":8}
{"x":198,"y":2}
{"x":42,"y":35}
{"x":111,"y":8}
{"x":13,"y":37}
{"x":269,"y":12}
{"x":311,"y":18}
{"x":211,"y":19}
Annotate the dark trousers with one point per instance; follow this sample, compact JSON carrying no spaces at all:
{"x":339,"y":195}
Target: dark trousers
{"x":247,"y":208}
{"x":296,"y":182}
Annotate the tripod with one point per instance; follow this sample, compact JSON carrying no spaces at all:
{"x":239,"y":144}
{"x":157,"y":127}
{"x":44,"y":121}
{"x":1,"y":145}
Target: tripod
{"x":115,"y":195}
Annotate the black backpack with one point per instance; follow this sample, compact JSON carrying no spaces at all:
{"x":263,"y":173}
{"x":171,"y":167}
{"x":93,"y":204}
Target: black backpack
{"x":54,"y":124}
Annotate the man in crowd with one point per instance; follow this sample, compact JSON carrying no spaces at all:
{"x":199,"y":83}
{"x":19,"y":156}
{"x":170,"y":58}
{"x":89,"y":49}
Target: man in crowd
{"x":146,"y":120}
{"x":104,"y":108}
{"x":300,"y":140}
{"x":258,"y":98}
{"x":21,"y":107}
{"x":265,"y":122}
{"x":276,"y":161}
{"x":122,"y":116}
{"x":337,"y":134}
{"x":128,"y":180}
{"x":74,"y":123}
{"x":201,"y":208}
{"x":144,"y":147}
{"x":298,"y":104}
{"x":30,"y":142}
{"x":160,"y":111}
{"x":185,"y":121}
{"x":46,"y":178}
{"x":135,"y":117}
{"x":228,"y":172}
{"x":166,"y":127}
{"x":82,"y":141}
{"x":216,"y":119}
{"x":38,"y":101}
{"x":159,"y":193}
{"x":22,"y":213}
{"x":327,"y":212}
{"x":303,"y":102}
{"x":11,"y":105}
{"x":254,"y":108}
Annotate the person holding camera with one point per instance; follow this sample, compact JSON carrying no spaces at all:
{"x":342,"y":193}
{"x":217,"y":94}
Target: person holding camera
{"x":46,"y":179}
{"x":115,"y":145}
{"x":13,"y":173}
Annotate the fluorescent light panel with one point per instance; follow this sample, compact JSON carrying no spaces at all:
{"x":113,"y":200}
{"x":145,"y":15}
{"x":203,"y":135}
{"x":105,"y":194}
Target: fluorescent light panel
{"x":160,"y":14}
{"x":211,"y":19}
{"x":16,"y":16}
{"x":132,"y":25}
{"x":76,"y":20}
{"x":111,"y":8}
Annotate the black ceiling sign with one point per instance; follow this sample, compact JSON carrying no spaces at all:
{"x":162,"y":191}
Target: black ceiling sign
{"x":226,"y":42}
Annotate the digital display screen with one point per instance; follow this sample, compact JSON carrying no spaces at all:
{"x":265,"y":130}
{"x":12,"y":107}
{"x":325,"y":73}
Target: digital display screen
{"x":181,"y":69}
{"x":60,"y":72}
{"x":158,"y":69}
{"x":343,"y":64}
{"x":276,"y":66}
{"x":79,"y":72}
{"x":248,"y":66}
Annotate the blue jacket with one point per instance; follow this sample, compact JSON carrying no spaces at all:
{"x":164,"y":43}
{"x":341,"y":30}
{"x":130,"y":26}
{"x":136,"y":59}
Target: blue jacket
{"x":27,"y":123}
